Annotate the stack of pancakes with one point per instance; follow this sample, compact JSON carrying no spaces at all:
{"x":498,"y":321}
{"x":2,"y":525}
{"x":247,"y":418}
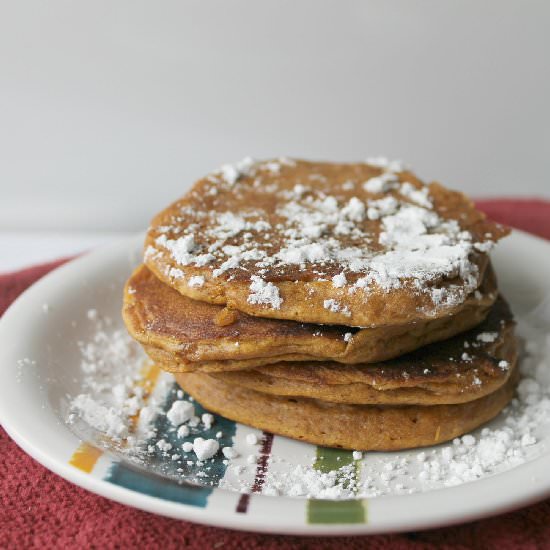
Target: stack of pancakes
{"x":348,"y":305}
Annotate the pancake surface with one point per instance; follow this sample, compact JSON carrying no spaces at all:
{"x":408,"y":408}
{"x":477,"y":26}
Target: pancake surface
{"x":188,"y":335}
{"x":458,"y":370}
{"x":349,"y":244}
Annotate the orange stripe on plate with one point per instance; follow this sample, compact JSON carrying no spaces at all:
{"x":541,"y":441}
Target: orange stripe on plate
{"x":85,"y":457}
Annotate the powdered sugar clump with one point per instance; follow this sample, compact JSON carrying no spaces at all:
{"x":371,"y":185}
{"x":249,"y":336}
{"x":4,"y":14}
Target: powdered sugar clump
{"x":180,"y":249}
{"x":232,"y":172}
{"x":205,"y":448}
{"x":382,"y":183}
{"x":264,"y":293}
{"x":180,"y":412}
{"x":339,"y":280}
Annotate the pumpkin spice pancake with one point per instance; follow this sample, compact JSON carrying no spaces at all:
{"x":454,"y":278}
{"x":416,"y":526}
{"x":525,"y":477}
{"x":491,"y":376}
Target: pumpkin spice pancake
{"x":354,"y":427}
{"x":364,"y":244}
{"x":458,"y":370}
{"x":187,"y":335}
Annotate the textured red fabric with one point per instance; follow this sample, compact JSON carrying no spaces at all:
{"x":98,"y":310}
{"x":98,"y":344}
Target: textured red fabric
{"x":531,"y":215}
{"x":40,"y":510}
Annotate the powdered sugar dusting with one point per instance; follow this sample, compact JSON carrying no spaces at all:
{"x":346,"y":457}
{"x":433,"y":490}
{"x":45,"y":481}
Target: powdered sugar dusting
{"x":309,"y":482}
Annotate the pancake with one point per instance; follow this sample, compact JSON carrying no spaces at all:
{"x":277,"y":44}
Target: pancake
{"x":364,"y":244}
{"x":461,"y":369}
{"x":188,"y":335}
{"x":356,"y":427}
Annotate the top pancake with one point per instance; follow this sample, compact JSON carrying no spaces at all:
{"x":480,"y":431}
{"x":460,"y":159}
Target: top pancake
{"x":351,"y":244}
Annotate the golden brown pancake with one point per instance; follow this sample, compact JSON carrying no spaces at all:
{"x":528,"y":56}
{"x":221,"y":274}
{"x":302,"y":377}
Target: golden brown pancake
{"x":364,"y":244}
{"x":188,"y":335}
{"x":357,"y":427}
{"x":460,"y":369}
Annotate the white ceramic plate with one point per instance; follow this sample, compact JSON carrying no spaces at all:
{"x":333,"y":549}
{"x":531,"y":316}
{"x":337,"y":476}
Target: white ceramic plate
{"x":39,"y":362}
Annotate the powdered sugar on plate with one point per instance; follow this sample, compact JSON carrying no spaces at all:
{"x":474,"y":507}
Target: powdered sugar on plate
{"x":115,"y":400}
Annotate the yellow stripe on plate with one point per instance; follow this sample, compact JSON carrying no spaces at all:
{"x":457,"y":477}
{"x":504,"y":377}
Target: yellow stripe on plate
{"x":85,"y":457}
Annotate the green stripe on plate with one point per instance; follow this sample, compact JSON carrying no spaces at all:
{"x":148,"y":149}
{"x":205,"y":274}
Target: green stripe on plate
{"x":335,"y":511}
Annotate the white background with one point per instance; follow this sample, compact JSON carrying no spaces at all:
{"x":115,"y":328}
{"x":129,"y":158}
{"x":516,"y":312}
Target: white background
{"x":110,"y":109}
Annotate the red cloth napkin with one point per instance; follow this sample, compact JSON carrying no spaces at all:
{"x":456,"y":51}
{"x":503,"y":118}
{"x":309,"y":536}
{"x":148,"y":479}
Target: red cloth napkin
{"x":39,"y":509}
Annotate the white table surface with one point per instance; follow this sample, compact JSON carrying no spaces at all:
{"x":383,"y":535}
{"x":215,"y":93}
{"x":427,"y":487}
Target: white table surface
{"x":22,"y":249}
